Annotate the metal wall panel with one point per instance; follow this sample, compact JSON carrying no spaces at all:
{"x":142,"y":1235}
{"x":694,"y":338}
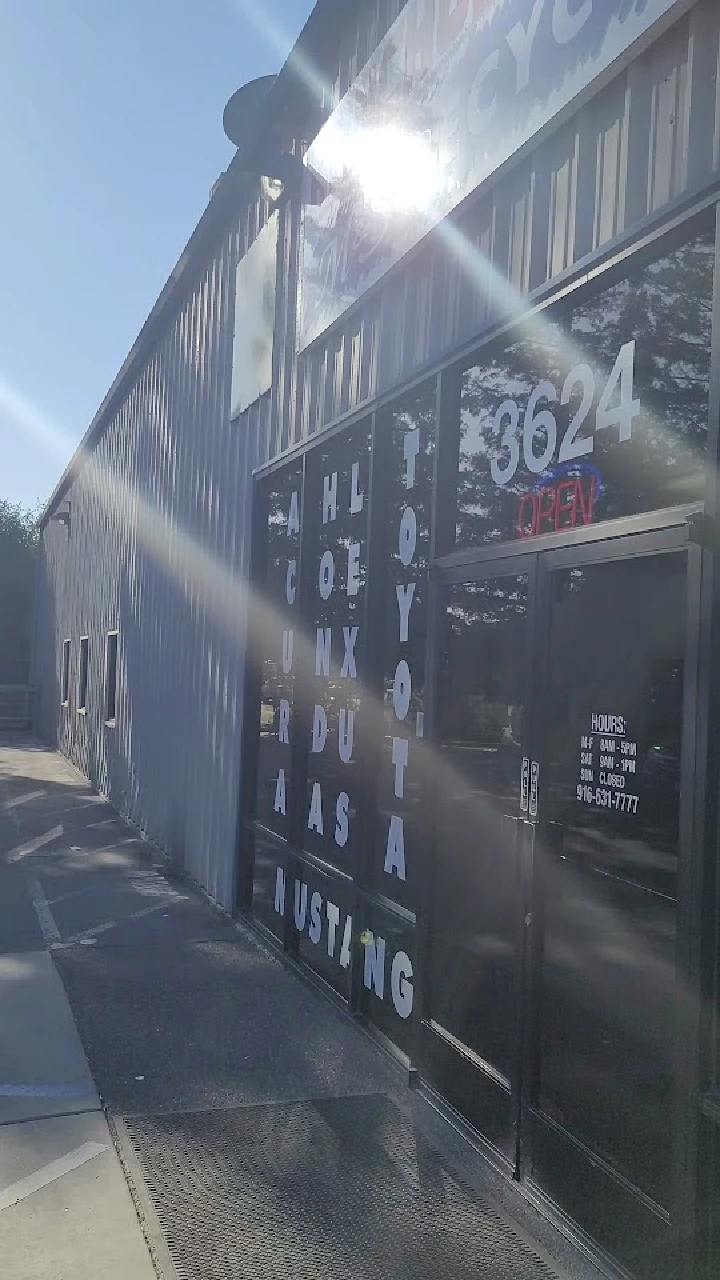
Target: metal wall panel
{"x":370,"y":22}
{"x":643,"y":140}
{"x":158,"y":548}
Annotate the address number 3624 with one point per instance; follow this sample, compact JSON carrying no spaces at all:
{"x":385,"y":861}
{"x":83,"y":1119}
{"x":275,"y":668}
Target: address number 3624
{"x":538,"y":435}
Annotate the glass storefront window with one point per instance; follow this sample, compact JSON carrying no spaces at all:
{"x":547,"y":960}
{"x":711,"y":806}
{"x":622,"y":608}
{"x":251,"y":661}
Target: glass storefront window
{"x":320,"y":907}
{"x":407,"y":439}
{"x":337,"y":570}
{"x":321,"y":667}
{"x":475,"y":888}
{"x":270,"y":867}
{"x":545,"y":810}
{"x":593,"y":414}
{"x":280,"y":643}
{"x":388,"y":960}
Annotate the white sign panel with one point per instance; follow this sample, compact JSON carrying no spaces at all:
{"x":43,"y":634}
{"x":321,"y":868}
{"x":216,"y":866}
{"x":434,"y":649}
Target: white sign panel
{"x":608,"y":765}
{"x":254,"y":319}
{"x":454,"y":89}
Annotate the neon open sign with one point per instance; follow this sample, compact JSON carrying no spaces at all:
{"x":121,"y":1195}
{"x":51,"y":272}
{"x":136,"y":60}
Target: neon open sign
{"x":564,"y":500}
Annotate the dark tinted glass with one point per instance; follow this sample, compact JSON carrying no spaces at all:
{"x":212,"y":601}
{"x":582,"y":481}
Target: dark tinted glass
{"x":595,"y":413}
{"x":404,"y":524}
{"x":612,"y":738}
{"x":336,"y":572}
{"x":475,"y":894}
{"x":268,"y":896}
{"x":388,"y":964}
{"x":280,"y":645}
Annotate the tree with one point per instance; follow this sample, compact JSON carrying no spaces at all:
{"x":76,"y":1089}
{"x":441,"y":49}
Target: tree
{"x":18,"y":552}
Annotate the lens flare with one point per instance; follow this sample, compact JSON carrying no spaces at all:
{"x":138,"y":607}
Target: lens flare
{"x":399,"y":171}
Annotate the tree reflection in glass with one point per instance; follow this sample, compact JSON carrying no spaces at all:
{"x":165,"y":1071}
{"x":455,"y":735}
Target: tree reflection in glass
{"x":597,"y":412}
{"x":279,"y":667}
{"x":476,"y":878}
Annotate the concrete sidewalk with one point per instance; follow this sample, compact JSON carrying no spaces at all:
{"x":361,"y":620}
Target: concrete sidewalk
{"x":65,"y":1208}
{"x":260,"y":1132}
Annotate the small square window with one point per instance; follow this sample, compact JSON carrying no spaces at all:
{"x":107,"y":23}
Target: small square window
{"x":111,"y":656}
{"x":83,"y":673}
{"x":65,"y":674}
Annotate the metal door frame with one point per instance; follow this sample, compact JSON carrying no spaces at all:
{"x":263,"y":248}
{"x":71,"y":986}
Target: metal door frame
{"x":681,"y":530}
{"x":517,"y":561}
{"x":686,"y":1036}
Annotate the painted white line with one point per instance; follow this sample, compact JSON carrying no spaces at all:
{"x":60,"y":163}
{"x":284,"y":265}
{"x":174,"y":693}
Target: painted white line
{"x":25,"y":799}
{"x":72,"y":893}
{"x":68,"y":810}
{"x":109,"y":924}
{"x":87,"y":934}
{"x":32,"y":846}
{"x":46,"y":919}
{"x":25,"y":1187}
{"x":150,"y":884}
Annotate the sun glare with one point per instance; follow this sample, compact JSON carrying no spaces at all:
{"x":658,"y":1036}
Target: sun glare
{"x":399,"y":171}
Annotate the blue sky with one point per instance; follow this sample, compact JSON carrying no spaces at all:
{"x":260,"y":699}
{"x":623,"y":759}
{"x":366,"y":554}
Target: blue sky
{"x":110,"y":139}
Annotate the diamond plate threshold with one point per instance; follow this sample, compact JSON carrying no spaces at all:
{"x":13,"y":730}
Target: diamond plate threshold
{"x":342,"y":1187}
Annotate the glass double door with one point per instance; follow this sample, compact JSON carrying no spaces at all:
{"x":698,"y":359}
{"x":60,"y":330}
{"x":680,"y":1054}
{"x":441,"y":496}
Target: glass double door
{"x":553,"y":1018}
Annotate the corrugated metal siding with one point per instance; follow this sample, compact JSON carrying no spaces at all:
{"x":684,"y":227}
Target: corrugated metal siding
{"x":644,"y":140}
{"x":158,"y":548}
{"x":371,"y":21}
{"x":160,"y":514}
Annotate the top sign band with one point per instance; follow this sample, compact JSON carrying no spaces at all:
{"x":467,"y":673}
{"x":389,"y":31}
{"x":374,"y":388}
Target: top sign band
{"x":454,"y":89}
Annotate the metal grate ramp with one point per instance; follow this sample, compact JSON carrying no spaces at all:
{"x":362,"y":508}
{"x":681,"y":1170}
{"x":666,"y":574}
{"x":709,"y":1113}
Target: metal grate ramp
{"x":324,"y":1190}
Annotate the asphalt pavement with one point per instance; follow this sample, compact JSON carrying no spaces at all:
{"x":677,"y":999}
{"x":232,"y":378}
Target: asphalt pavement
{"x":175,"y":1102}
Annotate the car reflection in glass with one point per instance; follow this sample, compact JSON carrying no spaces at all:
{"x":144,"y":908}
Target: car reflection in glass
{"x":661,"y":769}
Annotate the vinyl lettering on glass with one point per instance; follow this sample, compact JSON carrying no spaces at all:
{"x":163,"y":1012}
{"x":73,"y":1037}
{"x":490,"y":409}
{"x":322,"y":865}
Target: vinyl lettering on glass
{"x":270,"y":853}
{"x":409,"y":444}
{"x":481,"y":712}
{"x":325,"y":928}
{"x":337,"y":565}
{"x":595,"y":412}
{"x":388,"y":975}
{"x":614,"y":696}
{"x":279,"y":667}
{"x":608,"y":765}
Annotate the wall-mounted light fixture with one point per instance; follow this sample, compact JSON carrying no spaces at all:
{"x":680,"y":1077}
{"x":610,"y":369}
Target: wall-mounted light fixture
{"x":63,"y":517}
{"x":266,"y":156}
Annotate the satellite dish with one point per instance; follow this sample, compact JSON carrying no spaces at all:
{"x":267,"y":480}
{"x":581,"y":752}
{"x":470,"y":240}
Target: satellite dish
{"x":240,"y":116}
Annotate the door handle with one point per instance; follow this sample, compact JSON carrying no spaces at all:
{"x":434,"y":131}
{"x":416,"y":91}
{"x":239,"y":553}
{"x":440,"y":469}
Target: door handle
{"x":534,"y":784}
{"x":524,"y":784}
{"x":529,"y":780}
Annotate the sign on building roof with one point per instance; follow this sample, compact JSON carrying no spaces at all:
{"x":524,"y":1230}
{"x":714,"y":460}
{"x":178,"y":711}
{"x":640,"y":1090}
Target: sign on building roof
{"x":454,"y":89}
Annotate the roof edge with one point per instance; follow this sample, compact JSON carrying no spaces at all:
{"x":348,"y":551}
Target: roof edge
{"x":319,"y":33}
{"x":215,"y":213}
